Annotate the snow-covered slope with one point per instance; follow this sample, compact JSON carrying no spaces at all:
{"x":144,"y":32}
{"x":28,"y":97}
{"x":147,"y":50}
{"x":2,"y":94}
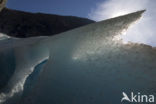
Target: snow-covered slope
{"x":87,"y":65}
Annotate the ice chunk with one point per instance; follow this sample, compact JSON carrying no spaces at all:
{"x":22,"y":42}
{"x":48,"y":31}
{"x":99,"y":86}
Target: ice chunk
{"x":90,"y":65}
{"x":87,"y":65}
{"x":25,"y":56}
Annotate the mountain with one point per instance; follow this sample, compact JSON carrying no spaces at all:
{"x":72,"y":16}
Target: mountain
{"x":24,"y":24}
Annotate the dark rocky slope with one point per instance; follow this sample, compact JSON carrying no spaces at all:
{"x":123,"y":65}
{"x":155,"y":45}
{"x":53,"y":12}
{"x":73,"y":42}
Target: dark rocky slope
{"x":23,"y":24}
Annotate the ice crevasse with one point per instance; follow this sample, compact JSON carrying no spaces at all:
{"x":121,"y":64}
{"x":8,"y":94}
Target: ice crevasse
{"x":87,"y":65}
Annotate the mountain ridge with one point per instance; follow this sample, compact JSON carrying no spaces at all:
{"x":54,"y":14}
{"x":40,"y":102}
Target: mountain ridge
{"x":23,"y":24}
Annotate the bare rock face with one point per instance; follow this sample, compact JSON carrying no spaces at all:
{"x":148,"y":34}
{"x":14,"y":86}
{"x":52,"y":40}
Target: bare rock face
{"x":2,"y":4}
{"x":24,"y":24}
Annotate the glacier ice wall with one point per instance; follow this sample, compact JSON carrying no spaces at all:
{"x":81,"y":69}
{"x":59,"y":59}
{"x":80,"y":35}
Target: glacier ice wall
{"x":87,"y":65}
{"x":18,"y":61}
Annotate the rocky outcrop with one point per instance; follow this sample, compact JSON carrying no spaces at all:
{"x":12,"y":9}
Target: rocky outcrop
{"x":23,"y":24}
{"x":2,"y":4}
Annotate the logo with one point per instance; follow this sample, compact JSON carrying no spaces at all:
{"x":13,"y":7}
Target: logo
{"x":137,"y":98}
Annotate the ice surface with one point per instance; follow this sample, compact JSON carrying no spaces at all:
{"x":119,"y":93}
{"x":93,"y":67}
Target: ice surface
{"x":3,"y":36}
{"x":23,"y":59}
{"x":87,"y":65}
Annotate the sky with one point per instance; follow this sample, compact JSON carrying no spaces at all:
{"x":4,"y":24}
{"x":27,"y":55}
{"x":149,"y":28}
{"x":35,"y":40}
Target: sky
{"x":142,"y":32}
{"x":79,"y":8}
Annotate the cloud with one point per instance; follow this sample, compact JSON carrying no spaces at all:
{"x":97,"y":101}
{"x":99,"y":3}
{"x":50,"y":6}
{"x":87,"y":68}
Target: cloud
{"x":144,"y":31}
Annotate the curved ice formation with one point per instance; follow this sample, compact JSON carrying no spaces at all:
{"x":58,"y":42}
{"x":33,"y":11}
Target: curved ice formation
{"x":87,"y":65}
{"x":32,"y":79}
{"x":26,"y":57}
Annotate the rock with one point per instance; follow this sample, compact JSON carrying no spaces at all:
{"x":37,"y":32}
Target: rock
{"x":2,"y":4}
{"x":24,"y":24}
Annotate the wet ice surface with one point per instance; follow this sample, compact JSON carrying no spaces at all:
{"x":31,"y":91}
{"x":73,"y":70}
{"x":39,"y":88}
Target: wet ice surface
{"x":87,"y":65}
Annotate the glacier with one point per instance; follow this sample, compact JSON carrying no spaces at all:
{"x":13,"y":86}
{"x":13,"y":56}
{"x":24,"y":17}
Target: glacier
{"x":87,"y":65}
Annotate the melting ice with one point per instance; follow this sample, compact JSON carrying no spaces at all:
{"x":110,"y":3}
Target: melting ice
{"x":87,"y":65}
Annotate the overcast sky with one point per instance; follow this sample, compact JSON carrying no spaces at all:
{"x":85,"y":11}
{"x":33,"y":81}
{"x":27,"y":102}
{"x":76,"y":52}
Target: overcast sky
{"x":143,"y":31}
